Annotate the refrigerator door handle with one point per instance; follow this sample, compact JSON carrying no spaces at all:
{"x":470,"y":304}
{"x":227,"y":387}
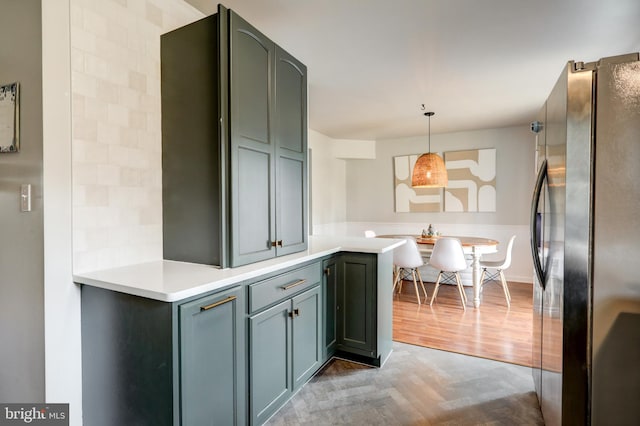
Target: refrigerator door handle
{"x":535,"y":241}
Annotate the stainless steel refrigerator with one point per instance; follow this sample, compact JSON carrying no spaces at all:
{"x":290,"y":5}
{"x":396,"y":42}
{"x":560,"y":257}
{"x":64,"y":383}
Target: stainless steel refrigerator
{"x":585,"y":241}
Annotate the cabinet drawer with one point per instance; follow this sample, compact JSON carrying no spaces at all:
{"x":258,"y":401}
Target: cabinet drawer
{"x":264,"y":293}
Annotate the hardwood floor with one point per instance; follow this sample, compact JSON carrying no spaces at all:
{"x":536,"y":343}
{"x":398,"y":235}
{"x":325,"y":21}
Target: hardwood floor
{"x":493,"y":331}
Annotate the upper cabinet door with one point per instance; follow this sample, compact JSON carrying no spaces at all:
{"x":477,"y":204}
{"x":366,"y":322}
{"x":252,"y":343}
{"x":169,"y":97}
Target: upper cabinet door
{"x":291,"y":103}
{"x":291,"y":153}
{"x":251,"y":151}
{"x":251,"y":59}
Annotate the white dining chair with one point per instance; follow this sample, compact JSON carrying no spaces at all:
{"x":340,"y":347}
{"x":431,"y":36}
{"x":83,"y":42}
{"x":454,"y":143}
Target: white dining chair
{"x":369,"y":233}
{"x":499,"y":266}
{"x":407,"y":260}
{"x":448,"y":257}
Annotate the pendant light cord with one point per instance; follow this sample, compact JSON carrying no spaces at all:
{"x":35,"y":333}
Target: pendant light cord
{"x":429,"y":114}
{"x":429,"y":132}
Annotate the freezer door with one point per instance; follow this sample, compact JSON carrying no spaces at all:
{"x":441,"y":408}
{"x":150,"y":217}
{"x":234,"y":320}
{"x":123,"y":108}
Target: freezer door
{"x":538,"y":252}
{"x":551,"y":310}
{"x":576,"y":287}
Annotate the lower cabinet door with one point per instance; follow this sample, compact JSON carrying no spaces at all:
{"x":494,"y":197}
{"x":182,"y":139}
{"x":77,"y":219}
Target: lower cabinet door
{"x":356,"y":304}
{"x":307,"y":335}
{"x":269,"y":361}
{"x":212,"y":363}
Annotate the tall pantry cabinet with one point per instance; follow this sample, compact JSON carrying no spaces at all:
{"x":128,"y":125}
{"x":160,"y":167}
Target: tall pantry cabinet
{"x":234,"y":124}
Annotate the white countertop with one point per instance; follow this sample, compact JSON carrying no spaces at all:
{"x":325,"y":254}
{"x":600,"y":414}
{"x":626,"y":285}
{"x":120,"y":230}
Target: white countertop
{"x":170,"y":281}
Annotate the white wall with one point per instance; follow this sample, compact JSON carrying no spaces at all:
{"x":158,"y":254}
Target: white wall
{"x":21,"y":233}
{"x":514,"y":178}
{"x":63,"y":358}
{"x":370,"y":192}
{"x":115,"y":151}
{"x":116,"y":125}
{"x":328,"y":186}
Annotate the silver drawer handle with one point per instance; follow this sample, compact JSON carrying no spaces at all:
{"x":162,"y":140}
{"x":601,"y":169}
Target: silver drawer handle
{"x":221,"y":302}
{"x":293,"y":284}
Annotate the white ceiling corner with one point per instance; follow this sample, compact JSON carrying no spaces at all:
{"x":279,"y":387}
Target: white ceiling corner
{"x":476,"y":63}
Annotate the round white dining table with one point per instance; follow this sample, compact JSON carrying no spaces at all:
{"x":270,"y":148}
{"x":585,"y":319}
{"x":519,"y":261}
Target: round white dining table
{"x":475,"y":246}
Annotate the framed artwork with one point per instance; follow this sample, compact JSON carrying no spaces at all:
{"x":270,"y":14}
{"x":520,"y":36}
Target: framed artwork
{"x":10,"y":117}
{"x":408,"y":199}
{"x":472,"y":181}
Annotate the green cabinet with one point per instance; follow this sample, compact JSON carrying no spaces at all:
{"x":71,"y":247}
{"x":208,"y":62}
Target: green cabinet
{"x":269,"y":349}
{"x":290,"y":153}
{"x":306,"y":330}
{"x":152,"y":362}
{"x":234,"y":127}
{"x":356,"y":304}
{"x":364,"y":309}
{"x":233,"y":356}
{"x":285,"y":351}
{"x":212,"y":360}
{"x":285,"y":335}
{"x":329,"y":306}
{"x":252,"y":144}
{"x":268,"y":136}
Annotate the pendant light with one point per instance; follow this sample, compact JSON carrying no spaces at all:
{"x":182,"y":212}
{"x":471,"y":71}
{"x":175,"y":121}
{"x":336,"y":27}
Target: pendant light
{"x":429,"y":171}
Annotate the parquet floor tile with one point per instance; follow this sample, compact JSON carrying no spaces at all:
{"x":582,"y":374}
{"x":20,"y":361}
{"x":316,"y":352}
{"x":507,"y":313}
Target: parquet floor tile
{"x":417,"y":386}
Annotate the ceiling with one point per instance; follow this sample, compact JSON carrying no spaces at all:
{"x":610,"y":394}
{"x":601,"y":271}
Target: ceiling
{"x":477,"y":63}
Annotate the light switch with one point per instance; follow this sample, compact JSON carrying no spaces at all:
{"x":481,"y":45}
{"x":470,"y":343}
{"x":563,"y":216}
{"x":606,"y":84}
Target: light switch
{"x":25,"y":197}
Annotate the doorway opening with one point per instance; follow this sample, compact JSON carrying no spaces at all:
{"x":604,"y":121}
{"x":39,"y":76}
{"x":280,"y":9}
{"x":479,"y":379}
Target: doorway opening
{"x":492,"y":331}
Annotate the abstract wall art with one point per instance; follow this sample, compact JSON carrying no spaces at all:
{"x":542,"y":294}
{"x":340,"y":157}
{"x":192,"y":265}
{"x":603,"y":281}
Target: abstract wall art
{"x":10,"y":117}
{"x":472,"y":181}
{"x":413,"y":200}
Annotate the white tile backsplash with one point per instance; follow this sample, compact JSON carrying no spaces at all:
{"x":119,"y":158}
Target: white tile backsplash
{"x":108,"y":174}
{"x":116,"y":125}
{"x":118,"y":115}
{"x":84,"y":84}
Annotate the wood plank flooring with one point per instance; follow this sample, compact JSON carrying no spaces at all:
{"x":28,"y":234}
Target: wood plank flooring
{"x":493,"y":331}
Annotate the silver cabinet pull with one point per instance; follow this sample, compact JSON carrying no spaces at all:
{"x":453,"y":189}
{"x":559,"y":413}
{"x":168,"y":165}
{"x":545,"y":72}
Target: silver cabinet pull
{"x":218,"y":303}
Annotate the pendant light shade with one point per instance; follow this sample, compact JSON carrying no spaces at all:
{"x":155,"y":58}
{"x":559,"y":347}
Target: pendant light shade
{"x":429,"y":171}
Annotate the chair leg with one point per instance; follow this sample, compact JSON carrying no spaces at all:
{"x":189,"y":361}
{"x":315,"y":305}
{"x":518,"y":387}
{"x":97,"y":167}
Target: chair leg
{"x":482,"y":275}
{"x":505,"y":288}
{"x":415,"y":285}
{"x":424,"y":290}
{"x":435,"y":290}
{"x":396,"y":278}
{"x":464,"y":293}
{"x":463,"y":296}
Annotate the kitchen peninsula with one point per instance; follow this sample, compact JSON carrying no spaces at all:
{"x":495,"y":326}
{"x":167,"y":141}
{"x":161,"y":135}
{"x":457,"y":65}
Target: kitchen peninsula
{"x":176,"y":343}
{"x":245,"y":308}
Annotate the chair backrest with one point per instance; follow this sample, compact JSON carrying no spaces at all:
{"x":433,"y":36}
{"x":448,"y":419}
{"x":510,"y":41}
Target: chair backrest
{"x":507,"y":259}
{"x":369,"y":233}
{"x":408,"y":254}
{"x":448,"y":255}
